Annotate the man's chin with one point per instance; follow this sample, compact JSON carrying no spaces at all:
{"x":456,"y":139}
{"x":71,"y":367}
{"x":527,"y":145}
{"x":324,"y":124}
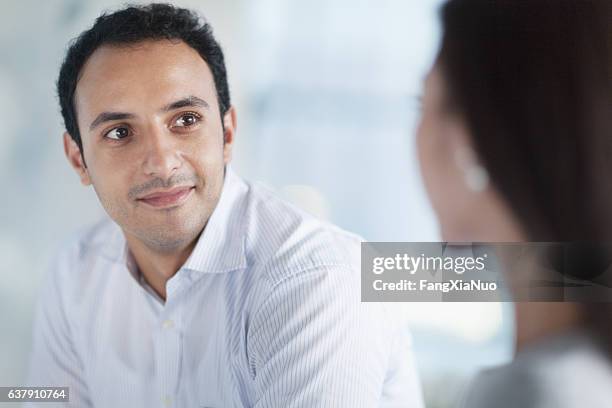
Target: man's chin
{"x":168,"y":236}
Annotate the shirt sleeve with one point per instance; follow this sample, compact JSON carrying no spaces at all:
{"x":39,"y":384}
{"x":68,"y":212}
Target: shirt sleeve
{"x":54,"y":360}
{"x":313,"y":343}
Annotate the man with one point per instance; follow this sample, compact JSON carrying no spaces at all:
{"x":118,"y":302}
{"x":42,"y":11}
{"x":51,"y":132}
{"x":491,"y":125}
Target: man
{"x":203,"y":290}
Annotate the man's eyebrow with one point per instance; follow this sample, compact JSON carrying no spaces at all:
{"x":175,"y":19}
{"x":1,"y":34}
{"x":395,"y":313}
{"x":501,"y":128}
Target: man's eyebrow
{"x":109,"y":116}
{"x":181,"y":103}
{"x":186,"y":102}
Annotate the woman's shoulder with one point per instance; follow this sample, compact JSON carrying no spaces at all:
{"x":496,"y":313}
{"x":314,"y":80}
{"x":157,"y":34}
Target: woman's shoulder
{"x":569,"y":371}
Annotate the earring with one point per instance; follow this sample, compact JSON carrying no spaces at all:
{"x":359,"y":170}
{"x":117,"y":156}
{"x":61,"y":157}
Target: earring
{"x":475,"y":175}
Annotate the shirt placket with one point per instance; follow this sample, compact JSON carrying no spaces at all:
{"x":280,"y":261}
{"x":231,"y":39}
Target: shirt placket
{"x":168,"y":348}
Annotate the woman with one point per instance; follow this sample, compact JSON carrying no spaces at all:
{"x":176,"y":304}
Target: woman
{"x":515,"y":145}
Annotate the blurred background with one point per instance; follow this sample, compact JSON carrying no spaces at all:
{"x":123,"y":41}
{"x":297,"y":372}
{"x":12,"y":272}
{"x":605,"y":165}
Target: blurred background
{"x":327,"y":99}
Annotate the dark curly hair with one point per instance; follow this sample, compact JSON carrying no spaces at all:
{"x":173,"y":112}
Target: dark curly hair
{"x":131,"y":25}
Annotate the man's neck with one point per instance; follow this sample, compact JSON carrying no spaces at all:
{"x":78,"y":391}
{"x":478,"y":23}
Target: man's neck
{"x":158,"y":267}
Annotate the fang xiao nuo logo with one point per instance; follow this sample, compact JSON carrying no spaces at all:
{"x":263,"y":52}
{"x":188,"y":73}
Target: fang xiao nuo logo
{"x":434,"y":265}
{"x":412,"y":264}
{"x":424,"y":271}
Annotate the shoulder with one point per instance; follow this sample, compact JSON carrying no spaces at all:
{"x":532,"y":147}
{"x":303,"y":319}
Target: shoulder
{"x":548,"y":375}
{"x":102,"y":238}
{"x":79,"y":256}
{"x":283,"y":240}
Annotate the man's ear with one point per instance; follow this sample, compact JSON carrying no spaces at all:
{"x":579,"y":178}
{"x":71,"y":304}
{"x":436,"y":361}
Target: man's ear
{"x":229,"y":124}
{"x":73,"y":154}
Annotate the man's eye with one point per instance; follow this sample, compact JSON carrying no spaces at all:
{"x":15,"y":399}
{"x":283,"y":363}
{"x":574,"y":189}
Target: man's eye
{"x":186,"y":120}
{"x":117,"y":133}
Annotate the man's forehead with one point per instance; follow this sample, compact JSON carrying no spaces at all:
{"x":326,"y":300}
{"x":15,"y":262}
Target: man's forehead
{"x":155,"y":72}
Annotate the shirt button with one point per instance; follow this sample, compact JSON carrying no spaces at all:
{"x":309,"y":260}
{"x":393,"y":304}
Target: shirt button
{"x":168,"y":324}
{"x":167,"y":401}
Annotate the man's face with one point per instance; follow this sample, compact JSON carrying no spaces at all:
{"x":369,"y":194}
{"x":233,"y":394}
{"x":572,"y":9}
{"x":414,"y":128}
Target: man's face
{"x":153,"y":140}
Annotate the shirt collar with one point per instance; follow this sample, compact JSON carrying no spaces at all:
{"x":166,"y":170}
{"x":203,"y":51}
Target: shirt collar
{"x":221,"y":245}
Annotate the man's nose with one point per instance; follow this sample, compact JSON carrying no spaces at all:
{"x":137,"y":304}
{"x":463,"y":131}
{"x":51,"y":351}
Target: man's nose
{"x":162,"y":157}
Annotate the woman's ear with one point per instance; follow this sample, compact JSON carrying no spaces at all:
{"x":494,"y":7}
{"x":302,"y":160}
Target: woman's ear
{"x":466,"y":159}
{"x":73,"y":154}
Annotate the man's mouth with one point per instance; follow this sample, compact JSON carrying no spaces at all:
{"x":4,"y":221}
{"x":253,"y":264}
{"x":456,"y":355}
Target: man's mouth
{"x":167,"y":198}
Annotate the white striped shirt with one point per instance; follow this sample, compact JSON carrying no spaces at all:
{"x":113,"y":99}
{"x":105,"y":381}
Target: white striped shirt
{"x":265,"y":312}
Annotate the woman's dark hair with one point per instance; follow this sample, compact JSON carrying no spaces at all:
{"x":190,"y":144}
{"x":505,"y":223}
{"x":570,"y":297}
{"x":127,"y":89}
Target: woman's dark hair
{"x":131,"y":25}
{"x":533,"y":82}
